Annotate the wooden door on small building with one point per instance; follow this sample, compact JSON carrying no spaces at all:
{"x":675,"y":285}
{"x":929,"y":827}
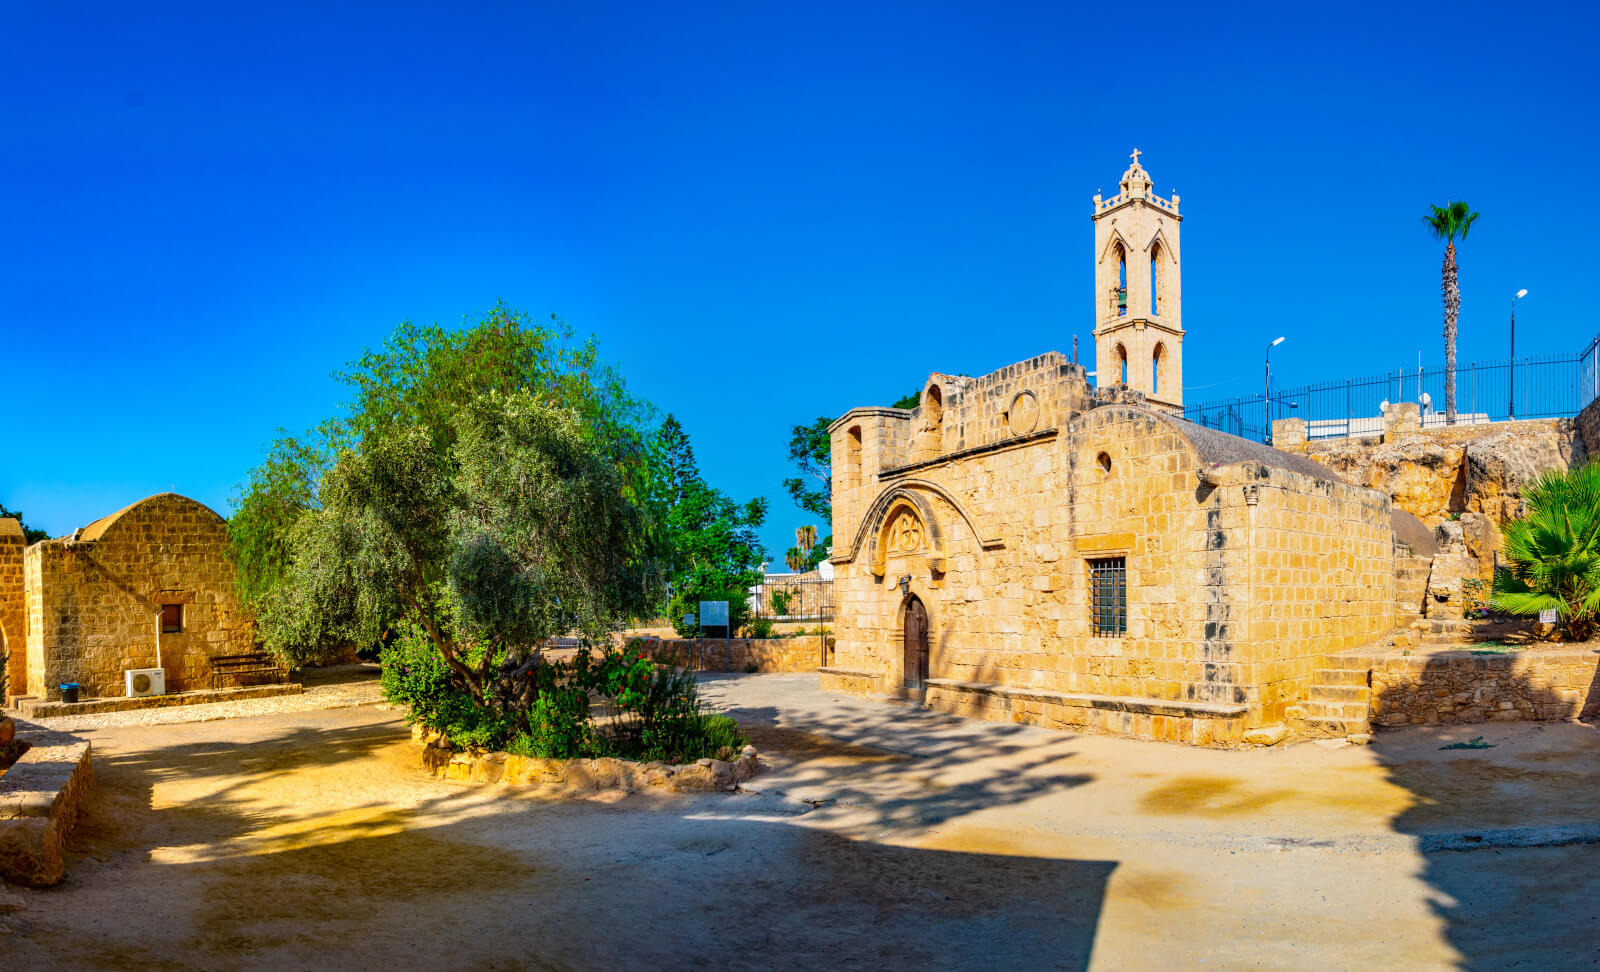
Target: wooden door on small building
{"x":916,"y":643}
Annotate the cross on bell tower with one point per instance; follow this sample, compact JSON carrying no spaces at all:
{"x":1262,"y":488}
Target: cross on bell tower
{"x":1138,"y":314}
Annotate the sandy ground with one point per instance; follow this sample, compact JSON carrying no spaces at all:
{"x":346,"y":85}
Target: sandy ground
{"x":881,"y":837}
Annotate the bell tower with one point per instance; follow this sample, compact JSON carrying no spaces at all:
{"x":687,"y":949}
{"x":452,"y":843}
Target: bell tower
{"x":1138,"y":308}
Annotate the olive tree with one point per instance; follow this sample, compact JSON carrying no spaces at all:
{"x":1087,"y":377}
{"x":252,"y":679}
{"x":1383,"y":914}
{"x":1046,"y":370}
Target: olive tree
{"x":522,"y":530}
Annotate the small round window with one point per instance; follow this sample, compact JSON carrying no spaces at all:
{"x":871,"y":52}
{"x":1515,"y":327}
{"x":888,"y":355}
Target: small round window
{"x":1104,"y":462}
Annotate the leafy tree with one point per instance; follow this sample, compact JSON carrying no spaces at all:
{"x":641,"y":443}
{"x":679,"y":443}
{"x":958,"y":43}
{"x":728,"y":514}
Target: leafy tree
{"x":811,"y":450}
{"x":30,"y":535}
{"x":526,"y":532}
{"x":910,"y":401}
{"x":1446,"y":223}
{"x":712,"y":550}
{"x":420,"y":380}
{"x":1553,"y":552}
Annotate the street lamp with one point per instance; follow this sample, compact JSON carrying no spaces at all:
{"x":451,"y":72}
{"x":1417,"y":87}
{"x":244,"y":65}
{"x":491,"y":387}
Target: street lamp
{"x":1266,"y":397}
{"x":1511,"y":408}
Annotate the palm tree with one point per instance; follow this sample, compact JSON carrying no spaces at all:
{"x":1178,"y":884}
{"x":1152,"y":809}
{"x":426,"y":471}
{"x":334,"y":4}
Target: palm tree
{"x":1446,"y":223}
{"x":1553,"y":552}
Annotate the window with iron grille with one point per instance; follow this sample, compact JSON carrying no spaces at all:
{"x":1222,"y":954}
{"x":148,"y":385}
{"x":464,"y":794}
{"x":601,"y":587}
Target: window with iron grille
{"x":1108,"y":591}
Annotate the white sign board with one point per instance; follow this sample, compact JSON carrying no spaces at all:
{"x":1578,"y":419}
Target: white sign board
{"x":713,"y":614}
{"x":1547,"y":616}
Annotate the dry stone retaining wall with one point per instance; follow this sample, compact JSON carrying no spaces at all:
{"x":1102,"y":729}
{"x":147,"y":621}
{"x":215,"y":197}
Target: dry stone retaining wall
{"x":1464,"y":687}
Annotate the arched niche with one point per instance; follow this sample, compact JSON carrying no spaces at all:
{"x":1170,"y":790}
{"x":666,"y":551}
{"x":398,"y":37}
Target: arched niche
{"x":907,"y":528}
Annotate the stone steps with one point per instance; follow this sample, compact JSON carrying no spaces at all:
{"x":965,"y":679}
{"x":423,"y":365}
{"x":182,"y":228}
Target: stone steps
{"x":1337,"y":698}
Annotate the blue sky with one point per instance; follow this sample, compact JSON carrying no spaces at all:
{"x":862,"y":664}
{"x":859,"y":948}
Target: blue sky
{"x":765,"y":213}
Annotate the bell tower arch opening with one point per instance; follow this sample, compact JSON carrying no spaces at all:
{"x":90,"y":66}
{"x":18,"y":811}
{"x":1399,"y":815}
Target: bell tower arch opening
{"x":1143,"y":317}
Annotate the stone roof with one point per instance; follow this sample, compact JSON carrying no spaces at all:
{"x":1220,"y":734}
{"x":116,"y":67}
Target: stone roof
{"x":97,"y":529}
{"x":1218,"y":448}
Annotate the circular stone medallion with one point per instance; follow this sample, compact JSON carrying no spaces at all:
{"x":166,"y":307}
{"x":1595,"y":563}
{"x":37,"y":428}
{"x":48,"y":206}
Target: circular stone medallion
{"x":1024,"y":414}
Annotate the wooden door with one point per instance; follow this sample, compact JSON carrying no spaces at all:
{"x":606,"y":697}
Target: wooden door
{"x":916,"y":643}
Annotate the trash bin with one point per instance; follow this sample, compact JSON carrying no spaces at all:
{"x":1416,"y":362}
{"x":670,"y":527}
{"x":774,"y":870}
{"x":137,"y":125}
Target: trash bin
{"x":69,"y":691}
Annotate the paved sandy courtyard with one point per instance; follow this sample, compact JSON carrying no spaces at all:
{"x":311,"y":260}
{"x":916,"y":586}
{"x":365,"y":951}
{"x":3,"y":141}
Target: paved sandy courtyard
{"x":884,"y":837}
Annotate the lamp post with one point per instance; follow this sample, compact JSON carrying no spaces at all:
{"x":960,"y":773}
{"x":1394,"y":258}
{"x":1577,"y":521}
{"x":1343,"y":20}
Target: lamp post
{"x":1511,"y":407}
{"x":1266,"y":396}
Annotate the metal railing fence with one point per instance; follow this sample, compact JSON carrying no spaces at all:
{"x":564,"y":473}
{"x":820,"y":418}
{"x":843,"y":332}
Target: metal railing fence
{"x":1547,"y":386}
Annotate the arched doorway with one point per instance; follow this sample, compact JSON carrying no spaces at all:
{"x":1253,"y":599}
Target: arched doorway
{"x":916,"y":643}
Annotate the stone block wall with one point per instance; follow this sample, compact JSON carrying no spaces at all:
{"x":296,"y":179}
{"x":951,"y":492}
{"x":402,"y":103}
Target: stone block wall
{"x":13,"y":634}
{"x":1465,"y":687}
{"x":800,"y":654}
{"x":1322,"y":579}
{"x":94,"y":600}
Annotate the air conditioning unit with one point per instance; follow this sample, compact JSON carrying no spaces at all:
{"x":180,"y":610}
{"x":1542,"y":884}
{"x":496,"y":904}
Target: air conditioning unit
{"x":146,"y":681}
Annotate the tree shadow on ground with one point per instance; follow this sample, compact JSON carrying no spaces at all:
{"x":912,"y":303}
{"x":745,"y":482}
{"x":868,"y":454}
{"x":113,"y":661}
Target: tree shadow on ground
{"x":314,"y":849}
{"x":902,"y":765}
{"x":1503,"y":812}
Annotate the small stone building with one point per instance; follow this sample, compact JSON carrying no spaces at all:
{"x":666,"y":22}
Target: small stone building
{"x":1021,"y":546}
{"x":150,"y":586}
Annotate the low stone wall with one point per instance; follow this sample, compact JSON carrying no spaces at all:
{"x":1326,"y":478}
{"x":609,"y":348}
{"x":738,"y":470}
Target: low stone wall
{"x":40,"y":796}
{"x":799,"y":654}
{"x":584,"y":775}
{"x":1448,"y":688}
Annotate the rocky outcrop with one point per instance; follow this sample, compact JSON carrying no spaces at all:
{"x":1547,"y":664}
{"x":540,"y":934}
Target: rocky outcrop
{"x":1436,"y":472}
{"x":1501,"y":466}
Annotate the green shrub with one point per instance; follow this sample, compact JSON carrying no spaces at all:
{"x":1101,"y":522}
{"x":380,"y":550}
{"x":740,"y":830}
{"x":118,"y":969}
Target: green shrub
{"x":720,"y":735}
{"x":653,"y":711}
{"x":759,"y":627}
{"x":1552,"y":554}
{"x":416,"y":677}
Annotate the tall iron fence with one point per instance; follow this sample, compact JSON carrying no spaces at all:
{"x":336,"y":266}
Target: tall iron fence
{"x":1548,"y":386}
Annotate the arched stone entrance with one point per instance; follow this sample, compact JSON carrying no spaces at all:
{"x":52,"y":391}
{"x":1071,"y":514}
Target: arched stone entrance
{"x":916,"y":643}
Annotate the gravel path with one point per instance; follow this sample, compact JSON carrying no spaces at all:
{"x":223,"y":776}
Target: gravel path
{"x":329,"y":695}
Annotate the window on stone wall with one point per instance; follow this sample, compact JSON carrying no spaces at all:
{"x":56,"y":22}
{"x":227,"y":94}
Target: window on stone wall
{"x":1108,"y":592}
{"x":171,"y":618}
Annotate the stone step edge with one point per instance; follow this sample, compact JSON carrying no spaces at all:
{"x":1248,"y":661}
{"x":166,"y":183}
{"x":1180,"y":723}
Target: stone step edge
{"x":1115,"y":703}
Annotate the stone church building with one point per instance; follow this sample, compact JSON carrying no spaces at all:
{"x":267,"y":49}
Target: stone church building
{"x":150,"y":586}
{"x":1023,"y":546}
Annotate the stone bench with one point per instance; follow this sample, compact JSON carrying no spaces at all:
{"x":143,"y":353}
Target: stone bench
{"x":40,"y":796}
